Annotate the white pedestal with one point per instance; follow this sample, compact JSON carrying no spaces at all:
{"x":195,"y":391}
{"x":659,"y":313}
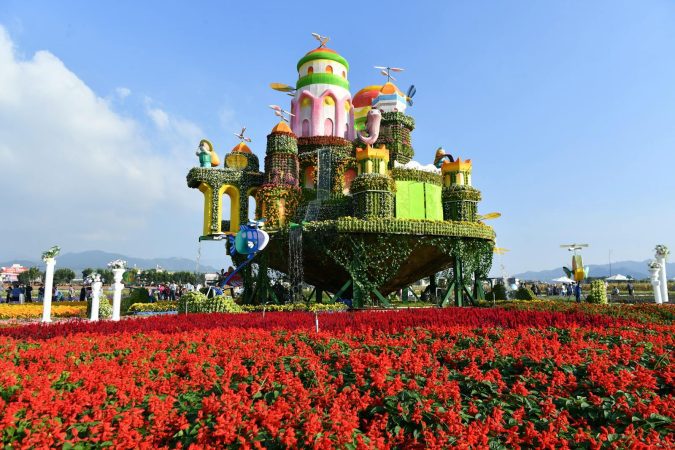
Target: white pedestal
{"x":117,"y":293}
{"x":95,"y":300}
{"x":654,"y":273}
{"x":661,"y":259}
{"x":49,"y":282}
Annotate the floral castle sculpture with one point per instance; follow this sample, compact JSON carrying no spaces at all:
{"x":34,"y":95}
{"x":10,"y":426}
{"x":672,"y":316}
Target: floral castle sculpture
{"x":339,"y":173}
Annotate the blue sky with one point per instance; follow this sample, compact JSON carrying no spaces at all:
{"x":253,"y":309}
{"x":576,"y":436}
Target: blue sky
{"x":567,"y":110}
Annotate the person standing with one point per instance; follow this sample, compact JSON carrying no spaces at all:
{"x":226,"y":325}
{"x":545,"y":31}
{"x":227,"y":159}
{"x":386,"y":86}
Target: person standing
{"x":83,"y":293}
{"x":631,"y":290}
{"x":577,"y":292}
{"x":29,"y":293}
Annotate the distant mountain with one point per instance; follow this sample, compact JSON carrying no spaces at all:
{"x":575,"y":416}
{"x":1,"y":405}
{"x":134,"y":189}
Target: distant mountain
{"x":99,"y":259}
{"x":635,"y":269}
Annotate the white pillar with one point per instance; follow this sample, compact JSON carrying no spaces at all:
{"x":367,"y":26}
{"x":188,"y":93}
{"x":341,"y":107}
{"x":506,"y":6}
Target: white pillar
{"x":654,"y":270}
{"x":95,"y":299}
{"x":117,"y":293}
{"x":661,"y":259}
{"x":49,"y":282}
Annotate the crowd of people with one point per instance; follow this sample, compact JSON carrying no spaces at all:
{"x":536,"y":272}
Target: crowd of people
{"x":23,"y":293}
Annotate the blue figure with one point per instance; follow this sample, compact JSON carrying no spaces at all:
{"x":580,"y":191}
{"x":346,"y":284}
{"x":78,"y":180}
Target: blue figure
{"x":249,"y":241}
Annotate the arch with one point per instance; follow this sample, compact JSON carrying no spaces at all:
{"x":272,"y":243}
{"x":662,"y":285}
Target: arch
{"x":235,"y":210}
{"x":253,"y":213}
{"x":305,"y":127}
{"x":349,"y":176}
{"x":344,"y":74}
{"x":309,"y":177}
{"x":328,"y":127}
{"x":310,"y":70}
{"x":329,"y":69}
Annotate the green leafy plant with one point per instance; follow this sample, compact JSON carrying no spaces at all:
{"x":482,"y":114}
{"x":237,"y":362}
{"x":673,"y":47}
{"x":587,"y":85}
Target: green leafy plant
{"x":598,"y":293}
{"x":196,"y":302}
{"x":524,"y":293}
{"x":153,"y":307}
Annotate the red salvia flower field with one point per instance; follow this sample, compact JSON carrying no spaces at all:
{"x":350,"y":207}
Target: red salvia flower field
{"x":459,"y":378}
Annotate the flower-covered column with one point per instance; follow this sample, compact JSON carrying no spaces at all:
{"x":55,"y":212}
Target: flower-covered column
{"x":95,"y":297}
{"x":654,"y":271}
{"x":118,"y":267}
{"x":49,"y":257}
{"x":661,"y":255}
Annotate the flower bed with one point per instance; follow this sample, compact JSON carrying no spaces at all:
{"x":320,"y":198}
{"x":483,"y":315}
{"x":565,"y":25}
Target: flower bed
{"x":34,"y":310}
{"x":435,"y":378}
{"x":643,"y":313}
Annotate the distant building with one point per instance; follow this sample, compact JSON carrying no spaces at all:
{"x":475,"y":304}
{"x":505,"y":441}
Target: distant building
{"x":11,"y":274}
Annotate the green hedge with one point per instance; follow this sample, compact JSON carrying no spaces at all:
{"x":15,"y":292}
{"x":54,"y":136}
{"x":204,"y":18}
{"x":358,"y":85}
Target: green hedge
{"x":318,"y":307}
{"x":524,"y":293}
{"x":372,"y":182}
{"x":461,"y":192}
{"x":404,"y":174}
{"x":398,"y":117}
{"x":373,"y":204}
{"x":404,"y":226}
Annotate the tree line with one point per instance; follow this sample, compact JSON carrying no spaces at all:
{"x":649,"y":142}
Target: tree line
{"x":132,"y":277}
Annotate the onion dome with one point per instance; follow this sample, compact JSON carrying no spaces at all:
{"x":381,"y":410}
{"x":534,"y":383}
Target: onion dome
{"x":242,"y":158}
{"x":362,"y":102}
{"x":282,"y":127}
{"x":241,"y":147}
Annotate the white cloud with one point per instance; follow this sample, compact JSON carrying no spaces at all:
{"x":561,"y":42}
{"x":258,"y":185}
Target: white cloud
{"x":74,"y":168}
{"x":123,"y":92}
{"x":159,"y":117}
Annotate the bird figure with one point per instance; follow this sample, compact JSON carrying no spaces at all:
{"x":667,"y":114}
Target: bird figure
{"x":241,"y":136}
{"x":323,"y":40}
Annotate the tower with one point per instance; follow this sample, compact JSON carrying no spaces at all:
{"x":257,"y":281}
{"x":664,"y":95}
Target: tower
{"x":396,"y":126}
{"x":322,"y":105}
{"x":372,"y":190}
{"x":279,"y":195}
{"x":460,"y":199}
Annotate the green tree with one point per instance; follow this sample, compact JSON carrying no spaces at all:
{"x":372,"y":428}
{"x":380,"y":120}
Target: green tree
{"x":86,"y":272}
{"x":63,"y":276}
{"x":31,"y":275}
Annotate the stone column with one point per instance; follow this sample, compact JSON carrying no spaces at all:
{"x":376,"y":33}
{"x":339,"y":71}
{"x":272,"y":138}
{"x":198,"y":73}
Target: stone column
{"x":654,"y":272}
{"x":117,"y":293}
{"x":49,"y":282}
{"x":661,"y":255}
{"x":95,"y":298}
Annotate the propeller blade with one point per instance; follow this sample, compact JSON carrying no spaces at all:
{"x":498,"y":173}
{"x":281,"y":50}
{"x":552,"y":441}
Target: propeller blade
{"x":410,"y":102}
{"x":396,"y":69}
{"x":384,"y":72}
{"x":489,"y":216}
{"x":316,"y":35}
{"x":242,"y":131}
{"x":247,"y":139}
{"x":391,"y":77}
{"x":380,"y":67}
{"x":281,"y":87}
{"x":275,"y":107}
{"x":412,"y":90}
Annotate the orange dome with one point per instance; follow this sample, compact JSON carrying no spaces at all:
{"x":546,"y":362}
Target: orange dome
{"x":390,"y":88}
{"x":241,"y":147}
{"x":282,"y":127}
